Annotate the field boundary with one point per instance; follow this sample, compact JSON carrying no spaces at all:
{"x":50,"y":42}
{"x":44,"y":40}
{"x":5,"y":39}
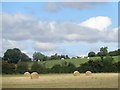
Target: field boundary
{"x":60,"y":89}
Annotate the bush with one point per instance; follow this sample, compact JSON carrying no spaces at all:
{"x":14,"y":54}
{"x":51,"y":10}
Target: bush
{"x":64,"y":68}
{"x":64,"y":63}
{"x":117,"y":66}
{"x":101,"y":54}
{"x":22,"y":67}
{"x":91,"y":54}
{"x":113,"y":53}
{"x":56,"y":68}
{"x":105,"y":65}
{"x":8,"y":68}
{"x":38,"y":68}
{"x":108,"y":64}
{"x":94,"y":66}
{"x":71,"y":68}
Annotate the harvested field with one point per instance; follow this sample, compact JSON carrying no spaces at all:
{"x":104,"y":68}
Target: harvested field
{"x":97,"y":80}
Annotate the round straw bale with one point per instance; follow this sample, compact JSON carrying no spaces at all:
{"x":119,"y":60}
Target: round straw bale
{"x":88,"y":73}
{"x":34,"y":75}
{"x":27,"y":74}
{"x":76,"y":73}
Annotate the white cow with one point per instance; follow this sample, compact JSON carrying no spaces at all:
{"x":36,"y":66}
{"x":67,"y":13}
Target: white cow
{"x":76,"y":57}
{"x":38,"y":60}
{"x":62,"y":58}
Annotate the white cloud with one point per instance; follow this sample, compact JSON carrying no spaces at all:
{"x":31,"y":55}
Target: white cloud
{"x":8,"y":44}
{"x":18,"y":27}
{"x":112,"y":35}
{"x":40,"y":46}
{"x":11,"y":44}
{"x":100,"y":23}
{"x":72,"y":37}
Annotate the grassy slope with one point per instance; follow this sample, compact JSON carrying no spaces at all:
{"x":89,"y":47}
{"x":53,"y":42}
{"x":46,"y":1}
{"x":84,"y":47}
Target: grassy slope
{"x":76,"y":62}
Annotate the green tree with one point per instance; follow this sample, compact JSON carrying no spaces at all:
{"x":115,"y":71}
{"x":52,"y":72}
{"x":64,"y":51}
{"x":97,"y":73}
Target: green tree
{"x":25,"y":58}
{"x":12,"y":55}
{"x":55,"y":57}
{"x":67,"y":57}
{"x":56,"y":68}
{"x":8,"y":68}
{"x":38,"y":56}
{"x":108,"y":64}
{"x":22,"y":67}
{"x":35,"y":67}
{"x":64,"y":63}
{"x":113,"y":53}
{"x":94,"y":66}
{"x":117,"y":66}
{"x":104,"y":49}
{"x":91,"y":54}
{"x":103,"y":52}
{"x":71,"y":67}
{"x":118,"y":51}
{"x":63,"y":56}
{"x":38,"y":68}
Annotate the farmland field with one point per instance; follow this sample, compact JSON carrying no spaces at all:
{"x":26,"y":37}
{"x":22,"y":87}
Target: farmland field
{"x":76,"y":62}
{"x":97,"y":80}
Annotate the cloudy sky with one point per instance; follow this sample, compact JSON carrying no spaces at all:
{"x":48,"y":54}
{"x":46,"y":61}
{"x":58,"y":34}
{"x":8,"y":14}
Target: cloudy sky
{"x":73,"y":28}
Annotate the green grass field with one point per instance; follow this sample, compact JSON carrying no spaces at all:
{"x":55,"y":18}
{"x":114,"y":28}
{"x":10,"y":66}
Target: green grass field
{"x":97,"y":80}
{"x":76,"y":62}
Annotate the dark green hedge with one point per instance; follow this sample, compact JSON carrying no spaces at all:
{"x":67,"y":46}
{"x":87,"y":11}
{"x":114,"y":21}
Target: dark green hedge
{"x":105,"y":65}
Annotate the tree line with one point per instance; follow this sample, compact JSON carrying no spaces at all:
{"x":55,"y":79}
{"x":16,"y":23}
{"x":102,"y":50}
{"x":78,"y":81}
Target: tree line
{"x":15,"y":55}
{"x":104,"y":52}
{"x":15,"y":61}
{"x":105,"y":65}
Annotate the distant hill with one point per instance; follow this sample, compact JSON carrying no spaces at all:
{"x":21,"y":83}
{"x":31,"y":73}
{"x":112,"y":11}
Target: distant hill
{"x":75,"y":61}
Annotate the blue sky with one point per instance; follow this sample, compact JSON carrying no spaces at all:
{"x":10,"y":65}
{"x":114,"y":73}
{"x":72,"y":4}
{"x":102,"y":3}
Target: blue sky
{"x":64,"y":28}
{"x":36,"y":9}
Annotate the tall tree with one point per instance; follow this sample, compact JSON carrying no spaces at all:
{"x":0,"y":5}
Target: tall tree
{"x":103,"y":52}
{"x":38,"y":56}
{"x":104,"y":49}
{"x":91,"y":54}
{"x":118,"y":51}
{"x":108,"y":64}
{"x":25,"y":58}
{"x":12,"y":55}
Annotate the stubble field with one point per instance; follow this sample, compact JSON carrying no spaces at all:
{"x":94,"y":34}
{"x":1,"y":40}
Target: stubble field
{"x":97,"y":80}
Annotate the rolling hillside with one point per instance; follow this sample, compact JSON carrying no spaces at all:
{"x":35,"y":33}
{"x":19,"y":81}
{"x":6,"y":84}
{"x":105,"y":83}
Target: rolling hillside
{"x":76,"y":62}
